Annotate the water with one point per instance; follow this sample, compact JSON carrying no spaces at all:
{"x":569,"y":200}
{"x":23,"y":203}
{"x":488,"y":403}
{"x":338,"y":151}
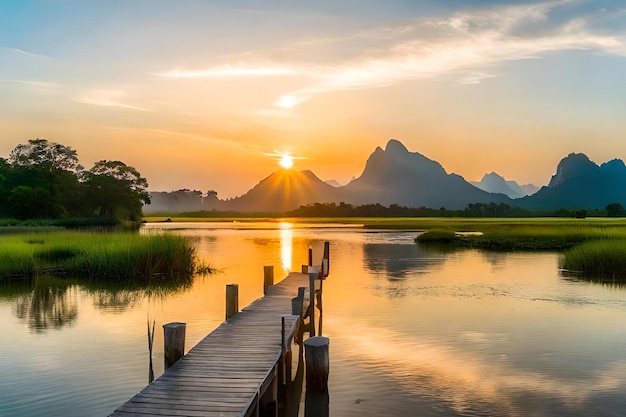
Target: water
{"x":413,"y":331}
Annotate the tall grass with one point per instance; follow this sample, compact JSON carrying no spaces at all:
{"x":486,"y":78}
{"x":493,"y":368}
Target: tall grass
{"x":98,"y":256}
{"x":599,"y":257}
{"x":523,"y":234}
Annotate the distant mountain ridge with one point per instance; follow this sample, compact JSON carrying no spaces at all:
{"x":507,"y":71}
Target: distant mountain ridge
{"x":396,"y":176}
{"x":284,"y":190}
{"x":494,"y":183}
{"x":580,"y":183}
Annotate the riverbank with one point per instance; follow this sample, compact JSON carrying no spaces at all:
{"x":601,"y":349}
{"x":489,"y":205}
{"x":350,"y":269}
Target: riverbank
{"x":121,"y":257}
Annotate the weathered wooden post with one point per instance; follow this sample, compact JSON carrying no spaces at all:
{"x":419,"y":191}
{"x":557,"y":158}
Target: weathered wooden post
{"x":174,"y":342}
{"x":268,"y":277}
{"x":317,"y":368}
{"x":312,"y":277}
{"x":310,"y":256}
{"x":232,"y":300}
{"x":316,"y":356}
{"x":297,"y":303}
{"x":326,"y":260}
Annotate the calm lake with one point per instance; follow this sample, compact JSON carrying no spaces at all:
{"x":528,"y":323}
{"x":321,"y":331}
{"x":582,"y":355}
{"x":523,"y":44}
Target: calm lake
{"x":413,"y":331}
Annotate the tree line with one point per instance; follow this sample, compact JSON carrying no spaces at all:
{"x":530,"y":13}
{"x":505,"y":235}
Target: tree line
{"x":472,"y":210}
{"x":44,"y":180}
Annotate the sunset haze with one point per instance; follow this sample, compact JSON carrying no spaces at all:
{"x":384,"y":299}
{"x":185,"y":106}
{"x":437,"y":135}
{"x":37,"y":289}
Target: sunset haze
{"x":211,"y":95}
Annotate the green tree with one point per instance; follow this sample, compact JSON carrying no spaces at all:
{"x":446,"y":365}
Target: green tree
{"x":5,"y":173}
{"x":115,"y":189}
{"x":25,"y":202}
{"x":51,"y":159}
{"x":615,"y":210}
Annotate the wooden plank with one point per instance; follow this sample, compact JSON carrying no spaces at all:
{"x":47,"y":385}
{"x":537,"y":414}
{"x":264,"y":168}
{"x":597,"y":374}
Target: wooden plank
{"x":227,"y":372}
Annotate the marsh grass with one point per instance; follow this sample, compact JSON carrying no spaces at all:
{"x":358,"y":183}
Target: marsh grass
{"x":98,"y":256}
{"x":599,"y":257}
{"x":526,"y":234}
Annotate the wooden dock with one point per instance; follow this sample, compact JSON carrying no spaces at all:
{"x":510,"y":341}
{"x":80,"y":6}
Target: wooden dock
{"x":236,"y":369}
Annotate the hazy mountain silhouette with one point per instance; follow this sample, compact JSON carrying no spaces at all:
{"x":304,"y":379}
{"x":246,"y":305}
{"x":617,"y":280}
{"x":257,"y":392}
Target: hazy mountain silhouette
{"x":284,"y":190}
{"x":397,"y":176}
{"x":494,"y":183}
{"x":334,"y":183}
{"x":580,"y":183}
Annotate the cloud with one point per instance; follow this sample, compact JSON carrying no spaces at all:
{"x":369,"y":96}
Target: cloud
{"x":107,"y":98}
{"x":40,"y":84}
{"x":228,"y":71}
{"x":24,"y":53}
{"x":470,"y":45}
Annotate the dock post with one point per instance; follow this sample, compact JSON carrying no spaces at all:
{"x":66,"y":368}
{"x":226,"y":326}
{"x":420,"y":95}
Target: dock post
{"x":326,"y":260}
{"x":317,"y":362}
{"x":312,"y":277}
{"x":232,"y":300}
{"x":310,"y":256}
{"x":268,"y":277}
{"x":174,"y":342}
{"x":317,"y":368}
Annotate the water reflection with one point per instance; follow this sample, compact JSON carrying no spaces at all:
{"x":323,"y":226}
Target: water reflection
{"x":116,"y":301}
{"x":52,"y":304}
{"x":49,"y":302}
{"x":398,"y":261}
{"x":464,"y":383}
{"x":117,"y":298}
{"x":286,"y":246}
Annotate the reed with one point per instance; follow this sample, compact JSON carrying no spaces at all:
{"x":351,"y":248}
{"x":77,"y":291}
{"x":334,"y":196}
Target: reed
{"x":524,"y":234}
{"x":599,"y":257}
{"x":98,"y":256}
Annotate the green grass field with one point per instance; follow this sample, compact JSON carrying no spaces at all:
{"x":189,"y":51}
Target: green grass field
{"x":98,"y":256}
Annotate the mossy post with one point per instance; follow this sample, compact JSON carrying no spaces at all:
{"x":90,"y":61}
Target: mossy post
{"x":174,"y":342}
{"x":268,"y":278}
{"x":232,"y":300}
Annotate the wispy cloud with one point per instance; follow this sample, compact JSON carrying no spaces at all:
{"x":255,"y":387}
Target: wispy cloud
{"x":229,"y":71}
{"x":33,"y":83}
{"x":107,"y":98}
{"x":24,"y":53}
{"x":468,"y":45}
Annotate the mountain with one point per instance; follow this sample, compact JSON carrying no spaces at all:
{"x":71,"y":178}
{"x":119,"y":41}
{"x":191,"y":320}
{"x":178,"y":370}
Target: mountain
{"x":334,"y":183}
{"x":494,"y":183}
{"x":396,"y":176}
{"x":284,"y":190}
{"x":580,"y":183}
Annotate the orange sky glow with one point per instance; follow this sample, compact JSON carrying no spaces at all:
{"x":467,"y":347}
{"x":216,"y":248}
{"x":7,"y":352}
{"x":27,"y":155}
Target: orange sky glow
{"x":210,"y":95}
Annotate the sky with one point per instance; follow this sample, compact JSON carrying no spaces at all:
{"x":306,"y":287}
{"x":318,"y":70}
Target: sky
{"x":210,"y":94}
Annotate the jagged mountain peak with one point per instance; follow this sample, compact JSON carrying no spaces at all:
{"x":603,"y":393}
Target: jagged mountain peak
{"x":492,"y":175}
{"x":395,"y":147}
{"x":572,"y":166}
{"x":495,"y":183}
{"x":614,"y":165}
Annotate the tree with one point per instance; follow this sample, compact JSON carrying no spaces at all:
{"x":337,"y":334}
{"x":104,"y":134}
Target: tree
{"x":115,"y":189}
{"x":5,"y":173}
{"x":615,"y":210}
{"x":51,"y":159}
{"x":25,"y":202}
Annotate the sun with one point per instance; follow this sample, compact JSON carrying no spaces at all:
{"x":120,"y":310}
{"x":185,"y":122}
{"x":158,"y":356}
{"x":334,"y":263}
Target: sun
{"x":286,"y":161}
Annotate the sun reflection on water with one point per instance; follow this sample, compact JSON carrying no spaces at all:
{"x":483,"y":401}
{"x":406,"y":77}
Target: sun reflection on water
{"x":286,"y":245}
